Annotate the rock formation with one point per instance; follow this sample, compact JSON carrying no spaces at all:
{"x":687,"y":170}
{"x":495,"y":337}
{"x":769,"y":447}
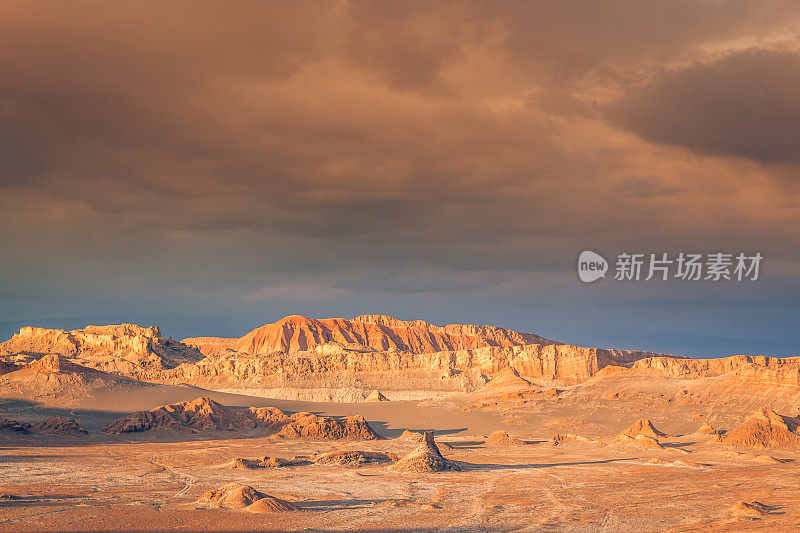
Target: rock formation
{"x":368,"y":332}
{"x":425,"y":458}
{"x":354,"y":458}
{"x":236,"y":496}
{"x":707,"y":429}
{"x":508,"y":378}
{"x":643,"y":427}
{"x":55,"y":425}
{"x":754,"y":509}
{"x":356,"y":356}
{"x":13,"y":425}
{"x":501,"y":437}
{"x":266,"y":462}
{"x":764,"y":429}
{"x":564,"y":438}
{"x":376,"y":396}
{"x":204,"y":414}
{"x":643,"y":442}
{"x":314,"y":427}
{"x":201,"y":414}
{"x":124,"y":349}
{"x":54,"y":376}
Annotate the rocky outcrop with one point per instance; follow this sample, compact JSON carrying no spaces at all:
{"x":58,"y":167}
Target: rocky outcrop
{"x":314,"y":427}
{"x":6,"y":367}
{"x":296,"y":333}
{"x":346,"y":359}
{"x":425,"y":458}
{"x":53,"y":376}
{"x":236,"y":496}
{"x":55,"y":425}
{"x":354,"y":458}
{"x":644,"y":427}
{"x":15,"y":426}
{"x":764,"y":429}
{"x":124,"y":349}
{"x":501,"y":437}
{"x":266,"y":462}
{"x":461,"y":370}
{"x":203,"y":414}
{"x":376,"y":396}
{"x":745,"y":368}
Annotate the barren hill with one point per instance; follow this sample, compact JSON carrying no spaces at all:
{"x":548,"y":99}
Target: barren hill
{"x":55,"y":376}
{"x":360,"y":372}
{"x":367,"y":332}
{"x":124,"y":349}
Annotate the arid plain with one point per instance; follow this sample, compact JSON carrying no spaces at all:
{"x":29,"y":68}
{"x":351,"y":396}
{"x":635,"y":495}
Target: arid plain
{"x":379,"y":424}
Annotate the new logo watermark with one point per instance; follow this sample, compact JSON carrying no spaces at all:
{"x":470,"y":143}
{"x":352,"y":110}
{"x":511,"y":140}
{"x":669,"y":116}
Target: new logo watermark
{"x":591,"y":266}
{"x":718,"y":266}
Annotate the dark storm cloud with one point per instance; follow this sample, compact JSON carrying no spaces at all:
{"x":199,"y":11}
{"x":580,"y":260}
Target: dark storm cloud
{"x":254,"y":149}
{"x":745,"y":105}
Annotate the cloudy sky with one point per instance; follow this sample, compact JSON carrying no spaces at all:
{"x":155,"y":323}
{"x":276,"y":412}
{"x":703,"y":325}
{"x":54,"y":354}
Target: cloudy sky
{"x":213,"y":167}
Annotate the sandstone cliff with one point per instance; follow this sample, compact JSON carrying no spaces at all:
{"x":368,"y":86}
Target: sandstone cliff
{"x":342,"y":360}
{"x":122,"y":349}
{"x":366,"y":333}
{"x":458,"y":370}
{"x":746,"y":368}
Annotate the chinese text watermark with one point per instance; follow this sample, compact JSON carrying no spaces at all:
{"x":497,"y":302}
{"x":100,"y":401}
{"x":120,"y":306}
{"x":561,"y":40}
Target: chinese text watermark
{"x":718,"y":266}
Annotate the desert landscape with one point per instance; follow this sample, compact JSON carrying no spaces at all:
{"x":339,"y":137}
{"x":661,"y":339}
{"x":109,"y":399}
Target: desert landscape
{"x":400,"y":265}
{"x":380,"y":424}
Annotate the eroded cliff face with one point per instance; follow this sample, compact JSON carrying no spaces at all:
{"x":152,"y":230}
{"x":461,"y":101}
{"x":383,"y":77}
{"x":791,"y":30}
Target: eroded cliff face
{"x":364,"y":333}
{"x":342,"y":360}
{"x":124,"y":349}
{"x":746,"y":368}
{"x":457,"y":370}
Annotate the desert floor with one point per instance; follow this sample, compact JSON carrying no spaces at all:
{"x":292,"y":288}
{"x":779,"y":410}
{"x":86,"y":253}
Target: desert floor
{"x":151,"y":481}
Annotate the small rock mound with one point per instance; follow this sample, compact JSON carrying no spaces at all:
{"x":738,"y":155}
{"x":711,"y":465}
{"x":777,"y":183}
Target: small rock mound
{"x":640,"y":441}
{"x":764,"y":429}
{"x":55,"y":425}
{"x":235,"y":496}
{"x":501,"y":437}
{"x":706,"y":429}
{"x":270,"y":504}
{"x":753,"y":509}
{"x":7,"y":367}
{"x":13,"y":425}
{"x":508,"y":378}
{"x":266,"y":462}
{"x":768,"y":459}
{"x":53,"y":363}
{"x":354,"y":458}
{"x":416,"y":436}
{"x":643,"y":427}
{"x":311,"y":426}
{"x":563,"y":438}
{"x":677,"y":463}
{"x":425,"y":458}
{"x":201,"y":414}
{"x":376,"y":396}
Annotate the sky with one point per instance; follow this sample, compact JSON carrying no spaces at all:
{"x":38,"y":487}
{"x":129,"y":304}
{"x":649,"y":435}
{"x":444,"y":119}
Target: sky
{"x":210,"y":167}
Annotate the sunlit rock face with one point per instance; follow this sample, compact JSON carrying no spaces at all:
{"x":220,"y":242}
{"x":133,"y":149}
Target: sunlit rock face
{"x":123,"y":349}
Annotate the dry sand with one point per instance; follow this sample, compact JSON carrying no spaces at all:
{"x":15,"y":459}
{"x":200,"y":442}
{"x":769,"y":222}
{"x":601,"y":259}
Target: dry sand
{"x":687,"y":481}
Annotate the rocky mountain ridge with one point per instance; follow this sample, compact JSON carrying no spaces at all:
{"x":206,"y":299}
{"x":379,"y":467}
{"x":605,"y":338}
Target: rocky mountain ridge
{"x":354,"y":357}
{"x":297,"y":333}
{"x":125,"y":349}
